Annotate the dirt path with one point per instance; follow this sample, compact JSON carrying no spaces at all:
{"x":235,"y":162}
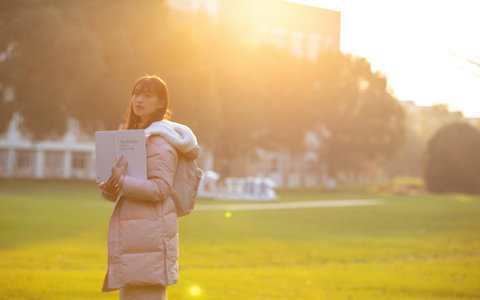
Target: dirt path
{"x":288,"y":205}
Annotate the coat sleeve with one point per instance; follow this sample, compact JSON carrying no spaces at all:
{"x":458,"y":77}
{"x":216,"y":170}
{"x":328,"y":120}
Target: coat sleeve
{"x":161,"y":166}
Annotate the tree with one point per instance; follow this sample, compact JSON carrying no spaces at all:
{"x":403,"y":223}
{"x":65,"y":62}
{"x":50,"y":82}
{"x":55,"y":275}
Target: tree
{"x":80,"y":58}
{"x":407,"y":163}
{"x":363,"y":121}
{"x":422,"y":123}
{"x":260,"y":100}
{"x":451,"y":160}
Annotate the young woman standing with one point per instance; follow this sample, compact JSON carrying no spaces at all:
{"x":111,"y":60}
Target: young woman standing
{"x":143,"y":229}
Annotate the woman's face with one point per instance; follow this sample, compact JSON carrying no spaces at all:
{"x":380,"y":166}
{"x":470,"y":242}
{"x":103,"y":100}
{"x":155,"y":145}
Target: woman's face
{"x":145,"y":102}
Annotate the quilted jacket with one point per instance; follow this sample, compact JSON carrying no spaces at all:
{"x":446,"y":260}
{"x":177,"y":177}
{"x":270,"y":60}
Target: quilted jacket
{"x":143,"y":229}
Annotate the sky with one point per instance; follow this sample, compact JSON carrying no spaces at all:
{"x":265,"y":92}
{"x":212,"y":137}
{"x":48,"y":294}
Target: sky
{"x":420,"y":46}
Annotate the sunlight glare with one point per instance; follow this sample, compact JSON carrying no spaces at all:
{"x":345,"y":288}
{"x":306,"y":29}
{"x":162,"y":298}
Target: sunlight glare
{"x":195,"y":290}
{"x":412,"y":44}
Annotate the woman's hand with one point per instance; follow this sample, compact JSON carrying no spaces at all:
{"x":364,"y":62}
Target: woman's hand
{"x":106,"y":187}
{"x":118,"y":170}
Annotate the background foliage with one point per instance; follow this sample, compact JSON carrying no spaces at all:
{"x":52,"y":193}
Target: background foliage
{"x":79,"y":59}
{"x":452,"y":160}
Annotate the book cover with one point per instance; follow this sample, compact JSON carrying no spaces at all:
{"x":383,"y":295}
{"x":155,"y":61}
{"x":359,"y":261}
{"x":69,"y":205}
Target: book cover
{"x":129,"y":143}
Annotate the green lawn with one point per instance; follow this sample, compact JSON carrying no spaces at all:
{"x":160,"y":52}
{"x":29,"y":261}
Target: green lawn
{"x":53,"y":246}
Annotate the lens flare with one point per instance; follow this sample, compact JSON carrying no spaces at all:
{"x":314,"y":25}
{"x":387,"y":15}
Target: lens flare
{"x":195,"y":290}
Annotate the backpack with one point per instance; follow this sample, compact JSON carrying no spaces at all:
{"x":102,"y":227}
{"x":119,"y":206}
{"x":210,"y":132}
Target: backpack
{"x":187,"y":176}
{"x":185,"y":185}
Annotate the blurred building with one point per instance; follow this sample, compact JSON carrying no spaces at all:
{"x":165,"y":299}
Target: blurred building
{"x":303,"y":30}
{"x":69,"y":157}
{"x":285,"y":170}
{"x":193,"y":6}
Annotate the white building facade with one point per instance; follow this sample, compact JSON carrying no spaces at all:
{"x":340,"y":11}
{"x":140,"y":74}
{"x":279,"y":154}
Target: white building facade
{"x":71,"y":157}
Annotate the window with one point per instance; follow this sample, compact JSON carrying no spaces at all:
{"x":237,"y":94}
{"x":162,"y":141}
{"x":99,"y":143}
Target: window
{"x":278,"y":37}
{"x":80,"y":165}
{"x":295,"y":164}
{"x":311,"y":165}
{"x":54,"y":159}
{"x":298,"y":39}
{"x":3,"y":162}
{"x":25,"y":159}
{"x":274,"y":165}
{"x":24,"y":163}
{"x":314,"y":43}
{"x":53,"y":163}
{"x":264,"y":34}
{"x":79,"y":160}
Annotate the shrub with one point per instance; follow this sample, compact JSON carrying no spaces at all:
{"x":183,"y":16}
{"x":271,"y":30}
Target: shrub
{"x":452,"y":160}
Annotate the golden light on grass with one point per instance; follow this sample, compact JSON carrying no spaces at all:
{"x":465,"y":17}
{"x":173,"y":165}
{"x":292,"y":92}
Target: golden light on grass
{"x":463,"y":198}
{"x":195,"y":290}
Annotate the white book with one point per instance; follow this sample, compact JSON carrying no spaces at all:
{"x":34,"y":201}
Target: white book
{"x":129,"y":143}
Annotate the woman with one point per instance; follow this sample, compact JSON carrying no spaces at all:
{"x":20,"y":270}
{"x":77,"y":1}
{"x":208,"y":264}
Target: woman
{"x":143,"y":230}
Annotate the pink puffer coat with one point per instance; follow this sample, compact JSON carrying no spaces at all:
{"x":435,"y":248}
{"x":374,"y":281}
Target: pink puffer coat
{"x":143,"y":230}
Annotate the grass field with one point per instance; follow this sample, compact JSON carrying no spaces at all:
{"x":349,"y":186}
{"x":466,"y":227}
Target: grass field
{"x":53,"y":246}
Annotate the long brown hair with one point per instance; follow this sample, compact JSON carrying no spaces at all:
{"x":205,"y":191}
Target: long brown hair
{"x":158,"y":87}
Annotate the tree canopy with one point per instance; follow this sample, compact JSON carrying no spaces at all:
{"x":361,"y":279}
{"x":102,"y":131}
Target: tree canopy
{"x":451,"y":160}
{"x":79,"y":59}
{"x":365,"y":122}
{"x":422,"y":124}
